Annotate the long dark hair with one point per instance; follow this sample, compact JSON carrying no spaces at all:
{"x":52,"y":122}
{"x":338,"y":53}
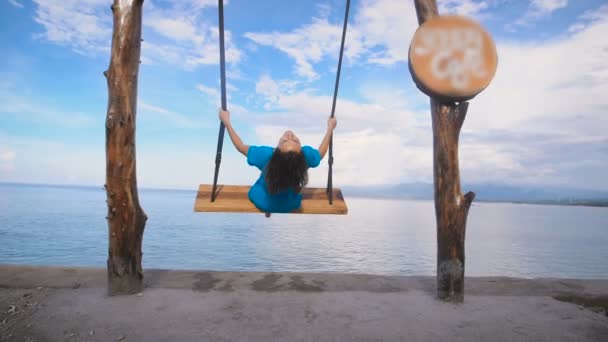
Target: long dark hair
{"x":286,"y":170}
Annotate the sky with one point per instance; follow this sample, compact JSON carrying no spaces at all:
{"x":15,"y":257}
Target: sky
{"x":542,"y":121}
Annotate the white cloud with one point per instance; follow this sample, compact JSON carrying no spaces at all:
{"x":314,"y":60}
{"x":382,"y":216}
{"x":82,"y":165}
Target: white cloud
{"x":211,"y":92}
{"x":167,"y":116}
{"x":539,"y":9}
{"x":179,"y":34}
{"x":309,"y":111}
{"x":554,"y":91}
{"x":548,"y":86}
{"x":171,"y":165}
{"x":462,"y":7}
{"x":386,"y":24}
{"x":192,"y":40}
{"x":362,"y":156}
{"x":163,"y":164}
{"x":306,"y":45}
{"x":272,"y":90}
{"x":373,"y":143}
{"x":547,"y":6}
{"x":77,"y":24}
{"x":15,"y":3}
{"x":323,"y":10}
{"x":62,"y":163}
{"x":376,"y":23}
{"x":384,"y":28}
{"x":590,"y":17}
{"x":231,"y":87}
{"x":34,"y":109}
{"x":375,"y":32}
{"x":7,"y":159}
{"x":487,"y":161}
{"x":214,"y":95}
{"x":541,"y":121}
{"x":179,"y":29}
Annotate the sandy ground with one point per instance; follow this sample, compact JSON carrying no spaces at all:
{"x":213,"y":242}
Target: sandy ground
{"x":70,"y":304}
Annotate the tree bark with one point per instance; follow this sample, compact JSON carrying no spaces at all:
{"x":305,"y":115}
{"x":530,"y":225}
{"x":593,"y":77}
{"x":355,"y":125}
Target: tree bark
{"x":126,"y":218}
{"x":451,"y":207}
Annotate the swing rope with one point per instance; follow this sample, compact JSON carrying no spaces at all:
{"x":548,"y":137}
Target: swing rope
{"x":333,"y":108}
{"x":220,"y":141}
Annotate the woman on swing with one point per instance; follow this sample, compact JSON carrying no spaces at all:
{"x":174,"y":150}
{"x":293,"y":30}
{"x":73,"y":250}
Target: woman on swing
{"x":284,"y":168}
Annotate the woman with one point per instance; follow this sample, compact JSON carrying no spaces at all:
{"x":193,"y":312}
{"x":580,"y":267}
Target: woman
{"x":284,"y":168}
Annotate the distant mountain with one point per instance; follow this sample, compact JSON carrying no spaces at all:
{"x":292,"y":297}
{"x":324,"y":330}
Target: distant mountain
{"x":487,"y":193}
{"x":484,"y":192}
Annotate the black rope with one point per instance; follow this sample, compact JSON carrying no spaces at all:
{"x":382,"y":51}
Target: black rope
{"x":333,"y":108}
{"x":220,"y":140}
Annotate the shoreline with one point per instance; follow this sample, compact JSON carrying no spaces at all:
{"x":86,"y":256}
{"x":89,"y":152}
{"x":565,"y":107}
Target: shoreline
{"x":46,"y":303}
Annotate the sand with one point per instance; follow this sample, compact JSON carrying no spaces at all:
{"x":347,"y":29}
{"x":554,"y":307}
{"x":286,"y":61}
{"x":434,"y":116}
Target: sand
{"x":71,"y":304}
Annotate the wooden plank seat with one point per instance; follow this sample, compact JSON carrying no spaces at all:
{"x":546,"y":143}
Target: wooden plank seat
{"x":234,"y":199}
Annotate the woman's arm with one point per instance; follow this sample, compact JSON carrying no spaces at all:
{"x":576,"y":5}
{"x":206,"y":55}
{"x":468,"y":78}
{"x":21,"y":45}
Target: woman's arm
{"x":236,"y":140}
{"x":331,"y":124}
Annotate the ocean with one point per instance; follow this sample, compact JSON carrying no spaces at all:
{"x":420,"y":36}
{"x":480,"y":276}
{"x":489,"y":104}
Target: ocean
{"x":61,"y":225}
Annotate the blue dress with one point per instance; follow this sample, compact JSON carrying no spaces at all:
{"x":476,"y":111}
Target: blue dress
{"x":284,"y":201}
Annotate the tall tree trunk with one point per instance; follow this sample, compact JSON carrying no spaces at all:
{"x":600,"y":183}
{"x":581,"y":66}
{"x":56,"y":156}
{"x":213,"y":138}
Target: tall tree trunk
{"x":451,"y":207}
{"x":126,"y":219}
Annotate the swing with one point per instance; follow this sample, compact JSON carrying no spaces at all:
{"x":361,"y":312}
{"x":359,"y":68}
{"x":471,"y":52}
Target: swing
{"x":234,"y":198}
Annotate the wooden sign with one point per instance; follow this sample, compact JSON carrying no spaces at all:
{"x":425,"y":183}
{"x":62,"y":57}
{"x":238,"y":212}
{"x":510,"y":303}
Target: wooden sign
{"x":452,"y":58}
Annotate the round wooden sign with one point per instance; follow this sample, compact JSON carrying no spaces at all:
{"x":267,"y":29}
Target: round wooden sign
{"x":452,"y":58}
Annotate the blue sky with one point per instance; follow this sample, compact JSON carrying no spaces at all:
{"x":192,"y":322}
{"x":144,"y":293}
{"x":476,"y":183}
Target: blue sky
{"x":542,"y":121}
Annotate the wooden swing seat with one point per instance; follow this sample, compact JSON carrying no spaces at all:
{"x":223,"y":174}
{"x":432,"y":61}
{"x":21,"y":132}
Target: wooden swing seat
{"x":235,"y":199}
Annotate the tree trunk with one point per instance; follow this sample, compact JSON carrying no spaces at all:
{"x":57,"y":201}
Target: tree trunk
{"x":126,"y":219}
{"x":451,"y":207}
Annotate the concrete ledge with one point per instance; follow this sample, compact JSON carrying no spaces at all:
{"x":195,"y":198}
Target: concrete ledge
{"x":20,"y":276}
{"x":71,"y":304}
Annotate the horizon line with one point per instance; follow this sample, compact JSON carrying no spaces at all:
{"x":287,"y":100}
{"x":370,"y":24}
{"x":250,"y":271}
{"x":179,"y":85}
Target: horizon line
{"x":522,"y":186}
